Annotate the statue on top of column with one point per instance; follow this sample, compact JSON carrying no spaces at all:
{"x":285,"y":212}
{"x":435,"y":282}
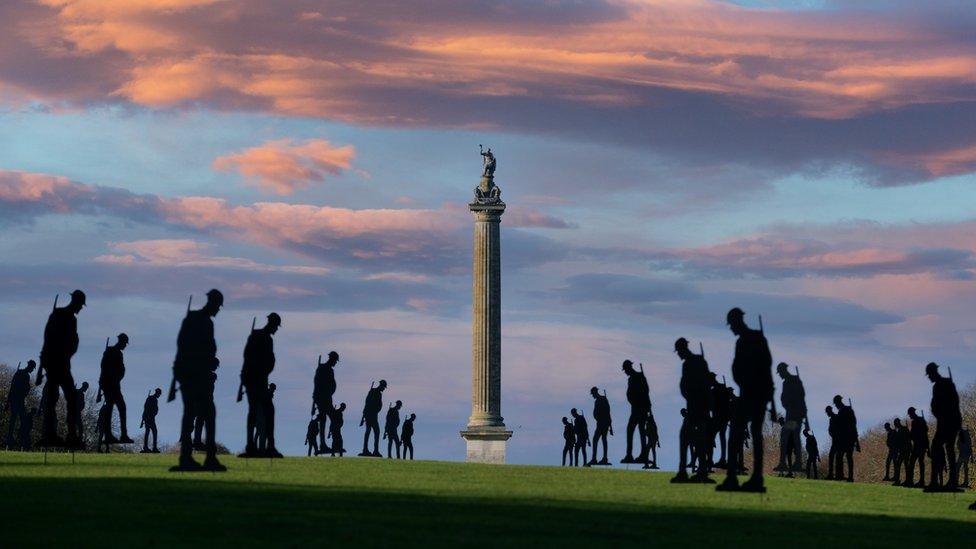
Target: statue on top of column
{"x":486,"y":192}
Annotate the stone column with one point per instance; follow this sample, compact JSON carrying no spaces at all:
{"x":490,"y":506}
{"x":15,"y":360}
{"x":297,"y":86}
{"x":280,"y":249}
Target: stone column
{"x":486,"y":434}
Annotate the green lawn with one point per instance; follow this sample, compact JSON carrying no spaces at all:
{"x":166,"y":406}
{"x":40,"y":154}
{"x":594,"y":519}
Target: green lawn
{"x":125,"y":499}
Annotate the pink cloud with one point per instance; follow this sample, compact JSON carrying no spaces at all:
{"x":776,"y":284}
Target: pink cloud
{"x":283,"y":166}
{"x":190,"y":253}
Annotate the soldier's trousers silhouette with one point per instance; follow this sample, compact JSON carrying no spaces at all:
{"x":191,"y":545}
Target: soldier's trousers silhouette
{"x":336,"y":434}
{"x":944,"y":453}
{"x":113,"y":397}
{"x":60,"y":378}
{"x":889,"y":461}
{"x":638,"y":417}
{"x":150,"y":430}
{"x":600,"y":434}
{"x":18,"y":414}
{"x":832,"y":458}
{"x":576,"y":454}
{"x":812,"y":467}
{"x":749,"y":413}
{"x":718,"y":427}
{"x":392,"y":439}
{"x":198,"y":422}
{"x":313,"y":445}
{"x":568,"y":451}
{"x":408,"y":446}
{"x":917,"y":456}
{"x":372,"y":426}
{"x":256,"y":400}
{"x":198,"y":407}
{"x":845,"y":453}
{"x":324,"y":406}
{"x":963,"y":466}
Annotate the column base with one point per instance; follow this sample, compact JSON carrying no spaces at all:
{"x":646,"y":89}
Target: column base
{"x":486,"y":444}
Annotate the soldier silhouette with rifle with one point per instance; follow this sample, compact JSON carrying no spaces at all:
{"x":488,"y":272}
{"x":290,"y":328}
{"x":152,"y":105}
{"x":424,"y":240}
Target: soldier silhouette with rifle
{"x":694,"y":386}
{"x":569,"y":441}
{"x":390,"y":428}
{"x":110,"y":385}
{"x":813,"y":453}
{"x":150,"y":409}
{"x":17,"y":392}
{"x":324,"y":387}
{"x":259,"y":362}
{"x":948,"y":417}
{"x":903,"y":452}
{"x":60,"y":344}
{"x":848,"y":438}
{"x":406,"y":436}
{"x":752,"y":370}
{"x":721,"y":399}
{"x":370,"y":418}
{"x":892,"y":450}
{"x":793,"y":400}
{"x":335,"y":430}
{"x":582,"y":433}
{"x":604,"y":424}
{"x":195,"y":370}
{"x":919,"y":431}
{"x":639,"y":397}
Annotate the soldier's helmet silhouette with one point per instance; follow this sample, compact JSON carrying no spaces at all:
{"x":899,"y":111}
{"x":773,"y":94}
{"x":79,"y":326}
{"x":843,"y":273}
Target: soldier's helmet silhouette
{"x":215,"y":299}
{"x":829,"y":411}
{"x":274,"y":322}
{"x":333,"y":356}
{"x":78,"y":299}
{"x":782,"y":369}
{"x":912,"y":413}
{"x":734,"y":315}
{"x":627,"y":366}
{"x":342,"y":407}
{"x":595,"y":392}
{"x":897,"y":422}
{"x":30,"y":366}
{"x":398,"y":405}
{"x":158,"y":392}
{"x":123,"y":340}
{"x":838,"y":400}
{"x":681,"y":344}
{"x":382,"y":385}
{"x":932,"y":370}
{"x":84,"y":386}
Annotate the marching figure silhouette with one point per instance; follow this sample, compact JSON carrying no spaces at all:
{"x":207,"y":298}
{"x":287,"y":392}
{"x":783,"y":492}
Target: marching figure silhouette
{"x":195,"y":369}
{"x":582,"y":437}
{"x":390,"y":430}
{"x":27,"y":427}
{"x":903,"y":451}
{"x":639,"y":397}
{"x":370,"y":418}
{"x":335,"y":430}
{"x":948,"y":422}
{"x":892,"y":450}
{"x":848,"y":439}
{"x":312,"y":436}
{"x":569,"y":441}
{"x":604,"y":424}
{"x":103,"y":432}
{"x":652,"y":441}
{"x":259,"y":362}
{"x":407,"y":435}
{"x":322,"y":392}
{"x":60,"y":344}
{"x":16,"y":402}
{"x":721,"y":413}
{"x":813,"y":454}
{"x":833,"y":430}
{"x":110,"y":385}
{"x":965,"y":456}
{"x":752,"y":370}
{"x":920,"y":448}
{"x":150,"y":409}
{"x":793,"y":399}
{"x":694,"y":385}
{"x":80,"y":393}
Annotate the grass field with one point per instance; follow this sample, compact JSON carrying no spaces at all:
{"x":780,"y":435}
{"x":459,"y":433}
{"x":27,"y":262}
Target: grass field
{"x":132,"y":499}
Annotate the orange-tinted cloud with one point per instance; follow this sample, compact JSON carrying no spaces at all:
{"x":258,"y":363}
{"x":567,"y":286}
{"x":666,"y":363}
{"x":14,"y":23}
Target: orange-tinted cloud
{"x":283,"y":166}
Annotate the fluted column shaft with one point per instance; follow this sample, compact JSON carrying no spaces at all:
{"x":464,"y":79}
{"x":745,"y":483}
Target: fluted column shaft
{"x":486,"y":318}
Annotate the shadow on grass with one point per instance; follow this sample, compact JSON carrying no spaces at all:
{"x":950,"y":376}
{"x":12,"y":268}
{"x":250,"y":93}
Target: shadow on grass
{"x":154,"y":512}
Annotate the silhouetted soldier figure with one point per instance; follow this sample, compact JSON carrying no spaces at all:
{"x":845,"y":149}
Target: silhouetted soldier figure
{"x":694,"y":385}
{"x":335,"y":430}
{"x":945,"y":408}
{"x":80,"y":393}
{"x":813,"y":454}
{"x":27,"y":427}
{"x":903,"y":451}
{"x":259,"y":362}
{"x":652,"y":441}
{"x":793,"y":397}
{"x":390,"y":430}
{"x":322,"y":392}
{"x":721,"y":413}
{"x":150,"y":409}
{"x":103,"y":432}
{"x":265,"y":427}
{"x":569,"y":441}
{"x":371,"y":412}
{"x":604,"y":424}
{"x":60,"y":344}
{"x":892,"y":450}
{"x":16,"y":400}
{"x":639,"y":397}
{"x":785,"y":450}
{"x":965,"y":447}
{"x":833,"y":430}
{"x":407,"y":435}
{"x":847,"y":423}
{"x":582,"y":433}
{"x":110,"y":385}
{"x":195,"y":369}
{"x":920,"y":448}
{"x":752,"y":371}
{"x":312,"y":436}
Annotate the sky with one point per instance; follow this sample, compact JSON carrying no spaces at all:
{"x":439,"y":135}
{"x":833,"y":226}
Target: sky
{"x":662,"y":161}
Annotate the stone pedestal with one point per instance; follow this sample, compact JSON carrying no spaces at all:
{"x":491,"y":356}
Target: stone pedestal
{"x":486,"y":435}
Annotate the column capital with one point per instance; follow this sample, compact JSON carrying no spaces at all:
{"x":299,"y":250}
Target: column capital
{"x":487,"y":210}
